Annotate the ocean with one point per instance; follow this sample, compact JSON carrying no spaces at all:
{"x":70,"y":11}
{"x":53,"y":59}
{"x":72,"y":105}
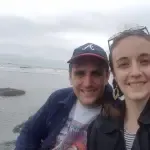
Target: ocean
{"x":38,"y":84}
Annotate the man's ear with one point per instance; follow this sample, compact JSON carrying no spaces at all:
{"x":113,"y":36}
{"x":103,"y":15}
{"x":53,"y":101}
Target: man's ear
{"x":70,"y":78}
{"x":107,"y":77}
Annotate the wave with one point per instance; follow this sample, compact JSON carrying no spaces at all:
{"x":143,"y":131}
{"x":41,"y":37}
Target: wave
{"x":31,"y":69}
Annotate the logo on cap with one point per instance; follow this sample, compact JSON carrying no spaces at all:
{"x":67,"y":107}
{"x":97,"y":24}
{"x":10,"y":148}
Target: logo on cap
{"x":89,"y":46}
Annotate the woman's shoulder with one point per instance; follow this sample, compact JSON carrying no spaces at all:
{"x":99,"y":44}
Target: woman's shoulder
{"x":100,"y":131}
{"x":109,"y":117}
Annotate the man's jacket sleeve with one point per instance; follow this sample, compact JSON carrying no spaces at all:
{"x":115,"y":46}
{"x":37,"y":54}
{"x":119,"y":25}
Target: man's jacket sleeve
{"x":35,"y":128}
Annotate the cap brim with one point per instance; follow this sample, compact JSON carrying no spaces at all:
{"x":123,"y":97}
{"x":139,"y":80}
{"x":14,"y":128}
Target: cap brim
{"x":84,"y":55}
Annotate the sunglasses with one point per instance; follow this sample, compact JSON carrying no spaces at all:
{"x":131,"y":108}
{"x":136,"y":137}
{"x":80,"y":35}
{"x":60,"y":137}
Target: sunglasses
{"x":140,"y":30}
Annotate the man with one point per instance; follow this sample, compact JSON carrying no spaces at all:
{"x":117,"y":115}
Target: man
{"x":61,"y":123}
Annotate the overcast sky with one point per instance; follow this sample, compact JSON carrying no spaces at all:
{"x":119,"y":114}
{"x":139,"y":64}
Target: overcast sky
{"x":45,"y":27}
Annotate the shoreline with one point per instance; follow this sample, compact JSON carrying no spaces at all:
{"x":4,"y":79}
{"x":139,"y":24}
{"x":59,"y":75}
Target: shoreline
{"x":34,"y":70}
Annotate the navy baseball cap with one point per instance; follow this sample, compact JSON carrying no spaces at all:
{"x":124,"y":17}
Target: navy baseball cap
{"x":89,"y":49}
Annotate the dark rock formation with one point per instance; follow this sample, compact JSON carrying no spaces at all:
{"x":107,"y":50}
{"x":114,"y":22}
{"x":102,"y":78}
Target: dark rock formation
{"x":18,"y":128}
{"x":11,"y":92}
{"x":9,"y":145}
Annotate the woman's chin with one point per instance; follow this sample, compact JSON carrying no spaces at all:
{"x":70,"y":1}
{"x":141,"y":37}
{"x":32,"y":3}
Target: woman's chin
{"x":138,"y":96}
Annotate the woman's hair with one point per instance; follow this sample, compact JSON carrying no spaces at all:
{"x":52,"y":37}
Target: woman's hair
{"x":108,"y":109}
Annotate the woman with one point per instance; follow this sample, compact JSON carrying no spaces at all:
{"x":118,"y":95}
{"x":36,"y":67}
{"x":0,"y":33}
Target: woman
{"x":126,"y":126}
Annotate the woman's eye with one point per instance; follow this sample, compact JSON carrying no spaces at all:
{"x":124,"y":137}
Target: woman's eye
{"x":145,"y":61}
{"x":123,"y":65}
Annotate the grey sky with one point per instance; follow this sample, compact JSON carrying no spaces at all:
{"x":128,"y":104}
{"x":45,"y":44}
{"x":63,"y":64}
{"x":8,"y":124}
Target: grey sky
{"x":45,"y":28}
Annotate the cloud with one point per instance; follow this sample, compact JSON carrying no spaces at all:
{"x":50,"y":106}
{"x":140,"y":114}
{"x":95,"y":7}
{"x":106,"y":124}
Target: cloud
{"x":56,"y":36}
{"x":13,"y":27}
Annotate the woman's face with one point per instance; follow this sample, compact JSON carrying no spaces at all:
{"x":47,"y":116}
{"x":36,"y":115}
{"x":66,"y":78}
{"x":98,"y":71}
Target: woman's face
{"x":131,"y":62}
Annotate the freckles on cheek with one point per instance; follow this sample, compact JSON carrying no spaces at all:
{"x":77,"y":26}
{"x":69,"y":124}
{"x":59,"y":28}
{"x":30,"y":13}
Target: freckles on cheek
{"x":148,"y":75}
{"x":121,"y":81}
{"x":118,"y":77}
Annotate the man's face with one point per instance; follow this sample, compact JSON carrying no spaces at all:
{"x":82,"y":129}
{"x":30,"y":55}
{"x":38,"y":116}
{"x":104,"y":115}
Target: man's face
{"x":88,"y":78}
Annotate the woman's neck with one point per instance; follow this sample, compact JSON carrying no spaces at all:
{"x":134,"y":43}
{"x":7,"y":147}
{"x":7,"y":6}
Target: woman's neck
{"x":133,"y":111}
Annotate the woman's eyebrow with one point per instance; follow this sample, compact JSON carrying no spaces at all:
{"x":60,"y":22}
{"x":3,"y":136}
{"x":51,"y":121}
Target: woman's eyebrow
{"x":122,"y":59}
{"x":144,"y":54}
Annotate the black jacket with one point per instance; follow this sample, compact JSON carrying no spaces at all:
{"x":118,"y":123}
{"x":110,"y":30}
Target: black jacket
{"x":107,"y":133}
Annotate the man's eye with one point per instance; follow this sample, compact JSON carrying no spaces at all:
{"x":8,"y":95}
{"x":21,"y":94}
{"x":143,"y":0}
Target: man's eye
{"x":79,"y":73}
{"x":97,"y":73}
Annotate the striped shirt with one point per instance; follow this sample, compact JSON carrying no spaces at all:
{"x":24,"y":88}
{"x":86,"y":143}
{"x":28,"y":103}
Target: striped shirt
{"x":129,"y":139}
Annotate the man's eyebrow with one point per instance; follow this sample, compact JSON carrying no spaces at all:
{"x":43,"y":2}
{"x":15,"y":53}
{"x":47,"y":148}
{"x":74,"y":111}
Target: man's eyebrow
{"x":79,"y":70}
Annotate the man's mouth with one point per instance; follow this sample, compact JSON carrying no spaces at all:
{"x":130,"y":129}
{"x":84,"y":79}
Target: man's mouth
{"x":88,"y":91}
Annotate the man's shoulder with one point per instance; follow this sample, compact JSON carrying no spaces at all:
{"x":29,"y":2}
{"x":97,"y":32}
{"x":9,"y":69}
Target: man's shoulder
{"x":60,"y":94}
{"x":63,"y":91}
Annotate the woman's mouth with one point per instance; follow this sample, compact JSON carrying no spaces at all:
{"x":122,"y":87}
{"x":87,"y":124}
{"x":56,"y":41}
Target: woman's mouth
{"x":136,"y":84}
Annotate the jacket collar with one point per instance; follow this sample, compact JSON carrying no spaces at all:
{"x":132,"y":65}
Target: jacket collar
{"x":145,"y":115}
{"x":108,"y":125}
{"x":69,"y":100}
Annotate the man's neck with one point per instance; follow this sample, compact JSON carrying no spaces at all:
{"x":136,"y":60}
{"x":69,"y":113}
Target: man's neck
{"x":90,"y":106}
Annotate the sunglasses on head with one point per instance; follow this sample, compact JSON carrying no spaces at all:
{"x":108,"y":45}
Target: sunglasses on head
{"x":140,"y":30}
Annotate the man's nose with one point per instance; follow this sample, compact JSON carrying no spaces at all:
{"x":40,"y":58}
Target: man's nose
{"x":87,"y":80}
